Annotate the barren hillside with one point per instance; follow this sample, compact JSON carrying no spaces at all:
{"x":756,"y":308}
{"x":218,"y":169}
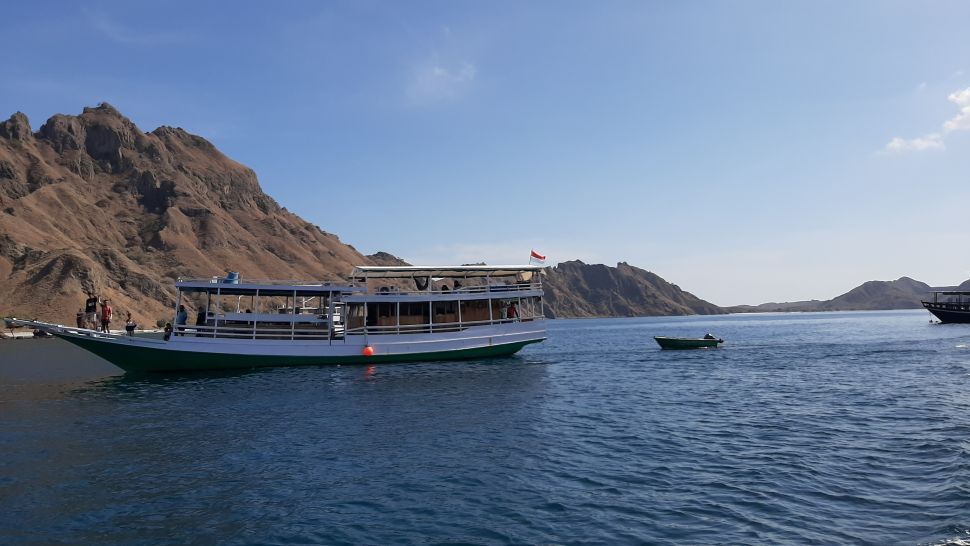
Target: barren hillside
{"x":92,"y":202}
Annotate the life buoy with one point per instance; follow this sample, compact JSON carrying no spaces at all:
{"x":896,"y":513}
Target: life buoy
{"x":421,"y":285}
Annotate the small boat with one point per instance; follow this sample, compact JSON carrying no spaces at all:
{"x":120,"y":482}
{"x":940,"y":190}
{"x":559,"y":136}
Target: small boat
{"x":706,"y":342}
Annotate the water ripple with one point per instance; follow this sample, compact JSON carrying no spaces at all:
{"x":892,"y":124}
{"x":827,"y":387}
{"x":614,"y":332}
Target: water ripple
{"x":808,"y":429}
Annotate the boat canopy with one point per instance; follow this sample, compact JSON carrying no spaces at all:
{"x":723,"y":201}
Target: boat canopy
{"x":952,"y":292}
{"x":363,"y":272}
{"x":264,"y":288}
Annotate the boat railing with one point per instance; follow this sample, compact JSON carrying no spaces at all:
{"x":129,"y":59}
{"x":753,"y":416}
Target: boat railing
{"x":434,"y":327}
{"x":250,"y":332}
{"x":296,"y":331}
{"x":949,"y":305}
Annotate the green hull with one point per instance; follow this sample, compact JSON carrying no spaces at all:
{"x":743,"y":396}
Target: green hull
{"x":686,"y":343}
{"x":133,"y":358}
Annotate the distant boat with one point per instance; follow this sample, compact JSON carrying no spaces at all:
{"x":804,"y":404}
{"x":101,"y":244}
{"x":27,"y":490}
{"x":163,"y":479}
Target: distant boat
{"x":955,"y":307}
{"x":706,"y":342}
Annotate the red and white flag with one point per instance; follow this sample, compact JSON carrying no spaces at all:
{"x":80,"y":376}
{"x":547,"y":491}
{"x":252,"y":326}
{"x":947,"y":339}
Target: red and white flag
{"x":537,"y":258}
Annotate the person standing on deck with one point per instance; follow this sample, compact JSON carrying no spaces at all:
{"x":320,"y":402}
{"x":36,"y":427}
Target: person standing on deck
{"x":106,"y":313}
{"x":513,"y":312}
{"x":91,"y":311}
{"x":130,"y":324}
{"x":181,"y":317}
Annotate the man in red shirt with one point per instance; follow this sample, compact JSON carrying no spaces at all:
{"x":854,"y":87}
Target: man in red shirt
{"x":106,"y":312}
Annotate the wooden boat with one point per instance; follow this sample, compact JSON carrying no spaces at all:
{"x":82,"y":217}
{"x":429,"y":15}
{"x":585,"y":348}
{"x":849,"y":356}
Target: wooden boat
{"x":456,"y":312}
{"x":950,"y":306}
{"x":706,"y":342}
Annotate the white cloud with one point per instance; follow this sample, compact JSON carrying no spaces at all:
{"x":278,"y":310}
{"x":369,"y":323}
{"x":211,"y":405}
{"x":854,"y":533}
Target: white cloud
{"x":934,"y":141}
{"x":433,"y":82}
{"x":928,"y":142}
{"x":961,"y":121}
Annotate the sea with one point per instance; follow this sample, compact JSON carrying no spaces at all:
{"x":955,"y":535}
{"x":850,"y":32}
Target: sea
{"x":803,"y":428}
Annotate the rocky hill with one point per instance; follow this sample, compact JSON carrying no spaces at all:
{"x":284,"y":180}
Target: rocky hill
{"x":575,"y":289}
{"x":903,"y":293}
{"x":92,"y":202}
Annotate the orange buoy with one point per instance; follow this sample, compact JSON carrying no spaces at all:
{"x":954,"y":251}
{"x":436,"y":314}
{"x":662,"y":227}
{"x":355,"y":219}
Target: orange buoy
{"x":368,"y":351}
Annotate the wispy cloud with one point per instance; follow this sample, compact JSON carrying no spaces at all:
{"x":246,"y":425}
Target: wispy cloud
{"x":960,"y":122}
{"x":934,"y":141}
{"x":434,"y":82}
{"x":928,"y":142}
{"x":122,"y":34}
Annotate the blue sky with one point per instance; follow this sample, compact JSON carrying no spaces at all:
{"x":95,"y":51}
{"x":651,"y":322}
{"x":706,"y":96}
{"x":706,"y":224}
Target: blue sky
{"x":747,"y":151}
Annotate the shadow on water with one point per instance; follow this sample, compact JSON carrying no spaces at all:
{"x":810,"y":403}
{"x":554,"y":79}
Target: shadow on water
{"x":51,"y":368}
{"x":417,"y":375}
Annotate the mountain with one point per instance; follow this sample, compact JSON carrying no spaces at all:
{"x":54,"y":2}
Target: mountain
{"x":90,"y":202}
{"x":903,"y":293}
{"x":575,"y":289}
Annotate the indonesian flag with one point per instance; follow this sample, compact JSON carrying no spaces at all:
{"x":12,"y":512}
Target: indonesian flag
{"x":537,"y":258}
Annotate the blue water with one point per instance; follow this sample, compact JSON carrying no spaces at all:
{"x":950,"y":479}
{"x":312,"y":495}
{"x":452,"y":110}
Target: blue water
{"x":837,"y":428}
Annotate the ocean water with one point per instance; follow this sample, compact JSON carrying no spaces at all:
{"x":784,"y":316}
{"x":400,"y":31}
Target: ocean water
{"x":829,"y":428}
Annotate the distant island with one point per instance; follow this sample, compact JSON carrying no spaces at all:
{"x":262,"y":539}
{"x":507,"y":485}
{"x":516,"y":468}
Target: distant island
{"x":92,"y":203}
{"x":902,"y":293}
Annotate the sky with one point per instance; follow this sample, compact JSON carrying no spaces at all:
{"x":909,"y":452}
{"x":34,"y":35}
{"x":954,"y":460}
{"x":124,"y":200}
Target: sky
{"x":747,"y":151}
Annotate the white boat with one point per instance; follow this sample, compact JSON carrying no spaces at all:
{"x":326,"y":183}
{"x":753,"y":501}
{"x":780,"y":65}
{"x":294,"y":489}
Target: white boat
{"x":383,"y":314}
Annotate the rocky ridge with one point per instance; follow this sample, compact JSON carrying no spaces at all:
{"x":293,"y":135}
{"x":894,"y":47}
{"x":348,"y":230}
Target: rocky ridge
{"x":92,"y":202}
{"x":902,"y":293}
{"x":575,"y":289}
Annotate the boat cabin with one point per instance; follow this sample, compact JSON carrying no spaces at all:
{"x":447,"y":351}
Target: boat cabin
{"x":377,"y":300}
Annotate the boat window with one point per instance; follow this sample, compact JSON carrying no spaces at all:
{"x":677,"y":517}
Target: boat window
{"x":355,"y":315}
{"x":415,"y":313}
{"x":474,"y":310}
{"x":445,"y":311}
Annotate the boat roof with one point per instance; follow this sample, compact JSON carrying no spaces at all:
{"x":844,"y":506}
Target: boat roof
{"x":952,"y":292}
{"x":265,"y":288}
{"x":443,"y":271}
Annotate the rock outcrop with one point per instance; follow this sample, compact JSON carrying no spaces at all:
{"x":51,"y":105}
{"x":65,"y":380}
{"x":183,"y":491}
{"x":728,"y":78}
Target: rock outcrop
{"x":575,"y":289}
{"x":90,"y":202}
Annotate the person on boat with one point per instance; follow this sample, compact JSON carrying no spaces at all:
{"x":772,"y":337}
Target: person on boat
{"x":129,"y":324}
{"x":106,"y":313}
{"x":513,"y":313}
{"x":168,"y":331}
{"x":200,"y":317}
{"x":181,"y":317}
{"x":91,"y":310}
